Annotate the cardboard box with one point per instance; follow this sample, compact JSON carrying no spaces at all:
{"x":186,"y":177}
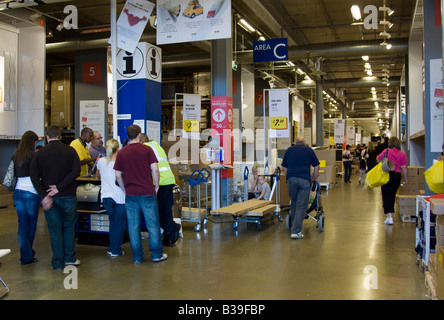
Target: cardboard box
{"x":440,"y":271}
{"x":62,"y":110}
{"x":284,"y":195}
{"x":327,"y":174}
{"x":328,"y":155}
{"x":406,"y":204}
{"x":437,"y":206}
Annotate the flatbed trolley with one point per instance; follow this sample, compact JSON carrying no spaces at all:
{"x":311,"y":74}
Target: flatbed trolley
{"x":316,"y":206}
{"x":259,"y":214}
{"x":195,"y":215}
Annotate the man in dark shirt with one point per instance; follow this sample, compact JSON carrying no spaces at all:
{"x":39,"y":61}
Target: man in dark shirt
{"x":54,"y":170}
{"x":296,"y":163}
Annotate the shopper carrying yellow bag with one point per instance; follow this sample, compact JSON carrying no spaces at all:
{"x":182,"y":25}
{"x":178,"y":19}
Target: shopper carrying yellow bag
{"x":434,"y":177}
{"x":377,"y":177}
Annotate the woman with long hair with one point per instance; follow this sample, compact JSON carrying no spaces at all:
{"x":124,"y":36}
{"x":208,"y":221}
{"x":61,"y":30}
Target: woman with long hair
{"x":399,"y":159}
{"x":26,"y":199}
{"x":113,"y":198}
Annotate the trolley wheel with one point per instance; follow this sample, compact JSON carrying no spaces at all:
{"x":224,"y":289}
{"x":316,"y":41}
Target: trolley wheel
{"x":235,"y":225}
{"x":321,"y":222}
{"x":205,"y":222}
{"x":280,"y":219}
{"x":197,"y":227}
{"x":288,"y":222}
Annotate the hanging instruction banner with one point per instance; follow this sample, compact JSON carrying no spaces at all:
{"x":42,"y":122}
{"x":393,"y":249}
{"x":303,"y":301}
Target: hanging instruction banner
{"x":191,"y":116}
{"x":278,"y":111}
{"x":193,"y":20}
{"x":131,"y":23}
{"x":339,"y":131}
{"x":436,"y":107}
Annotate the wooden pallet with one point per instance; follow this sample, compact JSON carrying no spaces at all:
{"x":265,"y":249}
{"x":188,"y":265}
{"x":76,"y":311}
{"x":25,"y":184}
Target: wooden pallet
{"x":238,"y":209}
{"x":261,"y":211}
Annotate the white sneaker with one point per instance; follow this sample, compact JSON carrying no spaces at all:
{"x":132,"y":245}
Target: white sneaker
{"x":298,"y":235}
{"x":388,"y":221}
{"x":163,"y":257}
{"x":75,"y":263}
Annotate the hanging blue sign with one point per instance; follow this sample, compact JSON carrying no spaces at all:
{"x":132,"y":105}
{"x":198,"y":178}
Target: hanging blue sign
{"x":270,"y":50}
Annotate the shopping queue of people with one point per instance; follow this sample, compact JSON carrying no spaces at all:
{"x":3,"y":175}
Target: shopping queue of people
{"x":137,"y":181}
{"x":129,"y":181}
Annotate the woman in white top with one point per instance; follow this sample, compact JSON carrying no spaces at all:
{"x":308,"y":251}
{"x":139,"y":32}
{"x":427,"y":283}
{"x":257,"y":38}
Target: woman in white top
{"x":113,"y":198}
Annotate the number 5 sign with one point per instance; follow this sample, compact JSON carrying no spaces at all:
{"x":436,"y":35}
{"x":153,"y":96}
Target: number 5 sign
{"x":92,"y":72}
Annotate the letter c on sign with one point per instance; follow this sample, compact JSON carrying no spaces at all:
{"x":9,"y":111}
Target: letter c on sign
{"x":275,"y":51}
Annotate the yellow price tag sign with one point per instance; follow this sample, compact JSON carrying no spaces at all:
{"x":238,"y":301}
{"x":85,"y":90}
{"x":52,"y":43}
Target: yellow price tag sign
{"x":191,"y":125}
{"x":278,"y":123}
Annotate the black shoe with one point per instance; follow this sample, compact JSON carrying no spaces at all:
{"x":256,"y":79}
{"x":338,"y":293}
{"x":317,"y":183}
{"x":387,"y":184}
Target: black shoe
{"x":167,"y":242}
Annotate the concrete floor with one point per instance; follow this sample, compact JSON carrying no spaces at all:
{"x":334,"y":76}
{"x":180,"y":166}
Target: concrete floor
{"x":220,"y":264}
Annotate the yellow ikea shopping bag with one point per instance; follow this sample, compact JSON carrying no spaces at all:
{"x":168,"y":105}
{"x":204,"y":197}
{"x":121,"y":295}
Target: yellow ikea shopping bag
{"x":377,"y":177}
{"x":434,"y":177}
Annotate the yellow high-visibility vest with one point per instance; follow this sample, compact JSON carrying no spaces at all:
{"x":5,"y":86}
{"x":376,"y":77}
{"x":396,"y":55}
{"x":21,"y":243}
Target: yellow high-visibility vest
{"x":166,"y":175}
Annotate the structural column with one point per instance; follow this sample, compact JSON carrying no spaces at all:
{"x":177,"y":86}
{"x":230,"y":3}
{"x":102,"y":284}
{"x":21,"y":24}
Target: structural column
{"x":320,"y":112}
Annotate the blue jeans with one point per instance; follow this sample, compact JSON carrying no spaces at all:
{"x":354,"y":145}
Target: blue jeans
{"x":27,"y":205}
{"x":348,"y":170}
{"x":61,"y":219}
{"x":117,"y":224}
{"x":299,"y":191}
{"x":146,"y":204}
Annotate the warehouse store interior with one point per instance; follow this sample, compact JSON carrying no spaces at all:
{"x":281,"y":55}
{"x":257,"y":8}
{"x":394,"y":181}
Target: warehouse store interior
{"x":352,"y":73}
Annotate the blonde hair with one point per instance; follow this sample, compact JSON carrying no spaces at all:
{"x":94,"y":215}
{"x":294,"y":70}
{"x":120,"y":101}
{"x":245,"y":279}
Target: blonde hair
{"x":112,"y":146}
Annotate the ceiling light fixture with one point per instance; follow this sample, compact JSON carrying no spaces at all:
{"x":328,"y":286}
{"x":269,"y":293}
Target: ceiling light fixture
{"x":356,"y":12}
{"x":386,"y":23}
{"x":60,"y":26}
{"x":385,"y":34}
{"x":387,"y":10}
{"x":244,"y":24}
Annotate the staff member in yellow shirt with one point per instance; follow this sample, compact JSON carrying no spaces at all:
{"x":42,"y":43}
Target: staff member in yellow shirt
{"x":81,"y":148}
{"x":165,"y":196}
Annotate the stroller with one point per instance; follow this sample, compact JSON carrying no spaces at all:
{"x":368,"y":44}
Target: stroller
{"x":314,"y":204}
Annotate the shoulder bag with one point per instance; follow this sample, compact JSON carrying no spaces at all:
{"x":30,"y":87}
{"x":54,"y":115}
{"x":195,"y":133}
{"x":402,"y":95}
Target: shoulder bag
{"x":10,"y":179}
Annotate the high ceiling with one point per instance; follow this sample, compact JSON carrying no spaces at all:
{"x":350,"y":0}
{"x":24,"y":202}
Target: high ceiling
{"x":325,"y":42}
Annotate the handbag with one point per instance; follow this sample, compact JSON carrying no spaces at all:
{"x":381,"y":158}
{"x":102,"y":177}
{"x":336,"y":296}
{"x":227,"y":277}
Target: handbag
{"x":434,"y":177}
{"x":377,"y":177}
{"x":10,"y":179}
{"x":386,"y":164}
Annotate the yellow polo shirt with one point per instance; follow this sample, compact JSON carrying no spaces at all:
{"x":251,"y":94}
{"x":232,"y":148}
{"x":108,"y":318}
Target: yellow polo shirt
{"x":83,"y":152}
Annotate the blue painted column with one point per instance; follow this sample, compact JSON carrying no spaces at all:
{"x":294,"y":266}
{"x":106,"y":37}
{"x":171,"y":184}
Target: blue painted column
{"x":432,"y":57}
{"x":139,"y":84}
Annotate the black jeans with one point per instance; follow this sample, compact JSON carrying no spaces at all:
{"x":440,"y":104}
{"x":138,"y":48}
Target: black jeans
{"x":165,"y":204}
{"x":389,"y":192}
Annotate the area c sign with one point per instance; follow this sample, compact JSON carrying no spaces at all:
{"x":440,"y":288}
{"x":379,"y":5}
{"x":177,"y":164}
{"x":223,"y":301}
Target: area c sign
{"x":270,"y":50}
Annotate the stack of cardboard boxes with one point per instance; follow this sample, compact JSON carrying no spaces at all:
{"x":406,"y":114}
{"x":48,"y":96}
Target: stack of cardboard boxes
{"x":436,"y":261}
{"x":406,"y":198}
{"x":328,"y":168}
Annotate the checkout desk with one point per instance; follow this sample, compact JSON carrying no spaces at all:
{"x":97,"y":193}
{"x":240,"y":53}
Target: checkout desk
{"x":93,"y":222}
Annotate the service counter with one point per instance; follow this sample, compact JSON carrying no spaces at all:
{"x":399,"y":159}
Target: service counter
{"x":93,"y":221}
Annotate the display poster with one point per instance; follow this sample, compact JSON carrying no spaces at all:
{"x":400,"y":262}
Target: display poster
{"x":278,"y":104}
{"x":92,"y":115}
{"x":193,"y":20}
{"x":436,"y":105}
{"x":2,"y":82}
{"x":132,"y":22}
{"x":339,"y":131}
{"x":350,"y":135}
{"x":191,"y":116}
{"x":153,"y":130}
